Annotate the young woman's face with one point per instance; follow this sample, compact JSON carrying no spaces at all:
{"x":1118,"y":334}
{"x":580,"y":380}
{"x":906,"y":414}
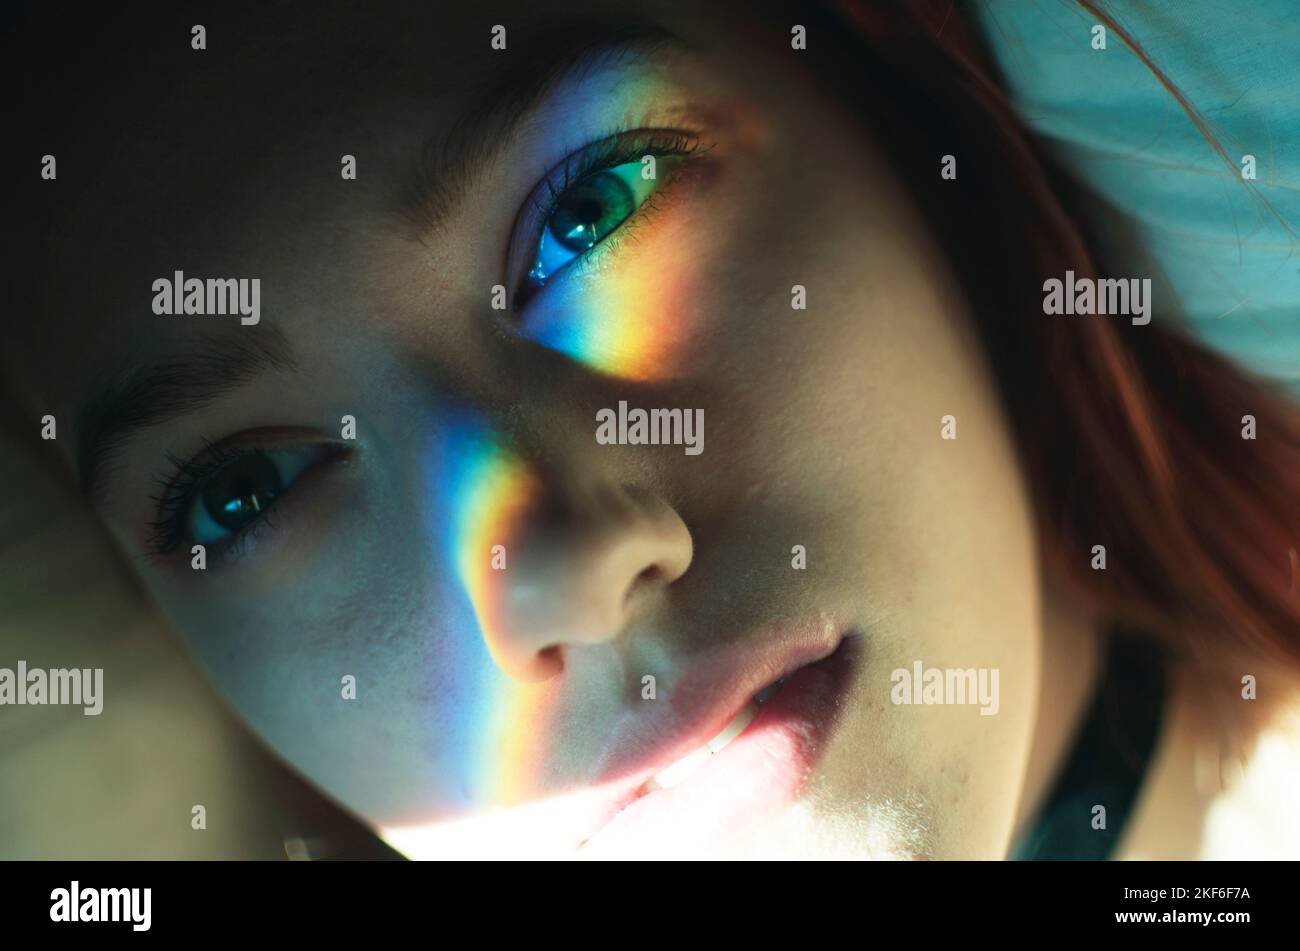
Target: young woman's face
{"x":463,"y":696}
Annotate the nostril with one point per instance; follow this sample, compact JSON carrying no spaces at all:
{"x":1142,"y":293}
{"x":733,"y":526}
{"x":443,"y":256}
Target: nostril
{"x":550,"y":661}
{"x":650,"y":576}
{"x":650,"y":573}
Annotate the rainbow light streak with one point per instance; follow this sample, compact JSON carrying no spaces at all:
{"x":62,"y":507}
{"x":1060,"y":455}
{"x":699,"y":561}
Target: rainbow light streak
{"x":629,"y":319}
{"x":626,"y":321}
{"x":631,"y":316}
{"x":487,"y":492}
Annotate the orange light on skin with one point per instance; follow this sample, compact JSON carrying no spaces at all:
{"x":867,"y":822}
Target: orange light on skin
{"x":632,"y":315}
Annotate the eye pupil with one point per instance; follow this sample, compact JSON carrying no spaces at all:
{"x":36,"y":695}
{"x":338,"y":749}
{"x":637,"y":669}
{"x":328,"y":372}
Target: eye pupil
{"x":241,"y":490}
{"x":591,"y":210}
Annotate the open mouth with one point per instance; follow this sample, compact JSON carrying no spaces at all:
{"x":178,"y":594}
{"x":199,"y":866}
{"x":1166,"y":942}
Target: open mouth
{"x":677,"y":773}
{"x":759,"y":762}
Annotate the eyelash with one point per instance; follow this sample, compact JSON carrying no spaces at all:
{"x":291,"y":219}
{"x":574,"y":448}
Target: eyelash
{"x":179,"y":490}
{"x":611,"y":151}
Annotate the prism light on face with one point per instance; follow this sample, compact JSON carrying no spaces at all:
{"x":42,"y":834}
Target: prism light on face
{"x":486,"y":491}
{"x":438,"y":564}
{"x":631,"y":320}
{"x":630,"y":323}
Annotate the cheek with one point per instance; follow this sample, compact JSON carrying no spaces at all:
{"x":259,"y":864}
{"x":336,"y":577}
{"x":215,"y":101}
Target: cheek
{"x":376,"y":686}
{"x":949,"y":554}
{"x":936,"y":549}
{"x":972,"y":605}
{"x":369,"y":665}
{"x":944,"y":569}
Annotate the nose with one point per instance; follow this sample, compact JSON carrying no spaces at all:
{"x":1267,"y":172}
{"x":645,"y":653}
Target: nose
{"x":586,"y":560}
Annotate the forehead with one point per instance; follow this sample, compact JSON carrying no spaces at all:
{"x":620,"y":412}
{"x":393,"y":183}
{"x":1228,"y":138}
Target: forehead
{"x":229,"y":158}
{"x":169,"y":128}
{"x":274,"y":78}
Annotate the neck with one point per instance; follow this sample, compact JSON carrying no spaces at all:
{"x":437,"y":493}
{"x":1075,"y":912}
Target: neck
{"x":1070,"y":666}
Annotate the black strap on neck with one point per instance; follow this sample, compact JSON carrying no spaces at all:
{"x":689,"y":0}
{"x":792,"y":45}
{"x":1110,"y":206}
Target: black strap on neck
{"x":1109,"y":761}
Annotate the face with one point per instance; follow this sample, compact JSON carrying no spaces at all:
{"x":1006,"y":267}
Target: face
{"x":442,"y":577}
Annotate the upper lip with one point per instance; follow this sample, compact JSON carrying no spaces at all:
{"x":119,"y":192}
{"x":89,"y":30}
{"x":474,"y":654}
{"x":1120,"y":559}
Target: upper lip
{"x":703,"y":701}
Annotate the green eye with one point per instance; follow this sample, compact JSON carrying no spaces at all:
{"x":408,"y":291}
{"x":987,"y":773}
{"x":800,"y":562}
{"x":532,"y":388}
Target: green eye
{"x":591,"y":210}
{"x":586,"y":213}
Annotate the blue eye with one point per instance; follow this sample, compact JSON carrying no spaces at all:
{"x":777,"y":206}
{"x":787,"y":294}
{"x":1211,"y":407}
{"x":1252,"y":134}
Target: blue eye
{"x":586,"y":213}
{"x":230,"y":498}
{"x":218,"y":498}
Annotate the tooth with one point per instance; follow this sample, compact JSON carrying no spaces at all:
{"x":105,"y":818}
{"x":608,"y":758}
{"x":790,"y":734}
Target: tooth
{"x":676,"y":773}
{"x":733,"y":729}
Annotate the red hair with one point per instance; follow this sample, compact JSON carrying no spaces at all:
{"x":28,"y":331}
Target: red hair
{"x":1132,"y":436}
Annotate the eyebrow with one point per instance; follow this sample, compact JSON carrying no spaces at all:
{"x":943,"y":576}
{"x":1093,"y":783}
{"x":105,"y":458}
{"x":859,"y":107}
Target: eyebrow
{"x":450,"y":159}
{"x":445,"y":167}
{"x":153,"y":394}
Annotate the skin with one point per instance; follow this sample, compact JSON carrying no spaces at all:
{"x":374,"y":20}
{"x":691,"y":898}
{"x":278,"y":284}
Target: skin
{"x":822,"y":430}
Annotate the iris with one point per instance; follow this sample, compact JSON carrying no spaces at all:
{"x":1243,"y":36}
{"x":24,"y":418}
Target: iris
{"x":239,"y":492}
{"x":591,"y":210}
{"x":587,"y":213}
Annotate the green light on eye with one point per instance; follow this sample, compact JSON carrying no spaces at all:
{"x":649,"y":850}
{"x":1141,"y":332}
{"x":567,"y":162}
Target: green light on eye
{"x":586,"y":213}
{"x":591,"y":210}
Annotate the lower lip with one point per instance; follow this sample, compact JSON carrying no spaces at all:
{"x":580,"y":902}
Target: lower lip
{"x":759,"y":773}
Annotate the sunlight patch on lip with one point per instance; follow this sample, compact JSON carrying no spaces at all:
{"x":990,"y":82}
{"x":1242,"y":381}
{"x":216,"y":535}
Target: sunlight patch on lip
{"x":678,"y":772}
{"x":546,"y":828}
{"x":549,"y":828}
